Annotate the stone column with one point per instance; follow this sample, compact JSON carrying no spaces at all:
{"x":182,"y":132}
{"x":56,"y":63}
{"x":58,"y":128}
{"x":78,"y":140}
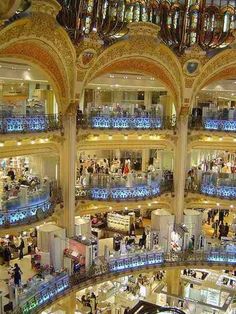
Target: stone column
{"x":180,"y":166}
{"x":147,"y":99}
{"x":145,"y":159}
{"x":67,"y":171}
{"x":173,"y":282}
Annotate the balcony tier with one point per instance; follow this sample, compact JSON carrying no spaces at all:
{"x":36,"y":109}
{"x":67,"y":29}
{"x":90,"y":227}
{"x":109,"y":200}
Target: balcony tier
{"x":121,"y":266}
{"x":212,"y":124}
{"x":118,"y":187}
{"x":126,"y":122}
{"x":20,"y":210}
{"x":30,"y":124}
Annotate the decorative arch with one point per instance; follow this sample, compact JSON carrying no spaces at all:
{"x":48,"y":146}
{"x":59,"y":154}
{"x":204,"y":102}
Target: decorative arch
{"x":138,"y":54}
{"x":40,"y":41}
{"x":222,"y":66}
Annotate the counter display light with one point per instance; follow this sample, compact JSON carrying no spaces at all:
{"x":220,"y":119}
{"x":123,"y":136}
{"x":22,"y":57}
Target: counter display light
{"x":13,"y":217}
{"x":106,"y":122}
{"x":220,"y":191}
{"x":133,"y":261}
{"x":34,"y":123}
{"x":48,"y":291}
{"x":222,"y":125}
{"x":219,"y":256}
{"x":142,"y":191}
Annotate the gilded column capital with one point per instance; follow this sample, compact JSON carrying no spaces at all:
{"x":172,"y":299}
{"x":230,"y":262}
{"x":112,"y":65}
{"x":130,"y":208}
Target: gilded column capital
{"x":50,"y":7}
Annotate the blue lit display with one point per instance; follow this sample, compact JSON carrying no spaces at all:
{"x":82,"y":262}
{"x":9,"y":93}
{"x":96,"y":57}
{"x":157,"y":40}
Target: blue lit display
{"x":107,"y":122}
{"x":48,"y":291}
{"x":54,"y":287}
{"x":19,"y":124}
{"x":132,"y":261}
{"x":221,"y":257}
{"x":124,"y":193}
{"x":220,"y":191}
{"x":25,"y":213}
{"x":34,"y":123}
{"x":221,"y":125}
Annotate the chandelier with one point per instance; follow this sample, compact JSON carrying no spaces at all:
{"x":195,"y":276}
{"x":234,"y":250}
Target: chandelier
{"x":183,"y":23}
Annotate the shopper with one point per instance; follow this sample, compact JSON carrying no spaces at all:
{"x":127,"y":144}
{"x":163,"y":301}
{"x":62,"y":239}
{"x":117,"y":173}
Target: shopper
{"x":221,"y":216}
{"x":221,"y":230}
{"x":215,"y":226}
{"x":7,"y":255}
{"x":226,"y":230}
{"x":21,"y":248}
{"x":17,"y":275}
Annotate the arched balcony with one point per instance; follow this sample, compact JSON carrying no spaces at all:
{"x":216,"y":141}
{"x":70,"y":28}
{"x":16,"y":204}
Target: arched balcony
{"x":27,"y":100}
{"x":126,"y":102}
{"x":214,"y":107}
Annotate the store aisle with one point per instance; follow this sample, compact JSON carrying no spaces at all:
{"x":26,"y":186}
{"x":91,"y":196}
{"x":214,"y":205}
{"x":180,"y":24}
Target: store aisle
{"x":25,"y":266}
{"x":208,"y":230}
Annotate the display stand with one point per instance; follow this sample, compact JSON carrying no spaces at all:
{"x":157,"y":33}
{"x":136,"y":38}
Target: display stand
{"x":193,"y":221}
{"x":82,"y":226}
{"x":163,"y":223}
{"x":119,"y":222}
{"x":52,"y":239}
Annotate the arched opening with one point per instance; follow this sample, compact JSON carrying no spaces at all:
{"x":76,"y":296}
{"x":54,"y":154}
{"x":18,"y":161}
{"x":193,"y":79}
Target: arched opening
{"x":139,"y":66}
{"x":213,"y":160}
{"x":27,"y":99}
{"x":54,"y":56}
{"x":27,"y":105}
{"x":125,"y":98}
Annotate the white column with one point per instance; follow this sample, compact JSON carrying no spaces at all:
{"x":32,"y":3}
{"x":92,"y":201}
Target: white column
{"x":67,"y":172}
{"x":145,"y":159}
{"x":117,"y":153}
{"x":147,"y":99}
{"x":180,"y":167}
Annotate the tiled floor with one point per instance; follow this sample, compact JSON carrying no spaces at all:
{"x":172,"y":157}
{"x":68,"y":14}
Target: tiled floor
{"x":25,"y":265}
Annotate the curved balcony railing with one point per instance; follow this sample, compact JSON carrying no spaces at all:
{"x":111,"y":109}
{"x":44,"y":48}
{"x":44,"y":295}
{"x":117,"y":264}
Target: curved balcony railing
{"x":118,"y":188}
{"x":212,"y":124}
{"x":148,"y":122}
{"x":36,"y":206}
{"x":222,"y":185}
{"x":30,"y":123}
{"x":61,"y":285}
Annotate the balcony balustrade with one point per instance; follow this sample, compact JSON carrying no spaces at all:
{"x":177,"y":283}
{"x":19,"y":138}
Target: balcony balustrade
{"x":222,"y":185}
{"x":22,"y":210}
{"x":140,"y":260}
{"x":30,"y":123}
{"x":142,"y":122}
{"x":117,"y":187}
{"x":214,"y":123}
